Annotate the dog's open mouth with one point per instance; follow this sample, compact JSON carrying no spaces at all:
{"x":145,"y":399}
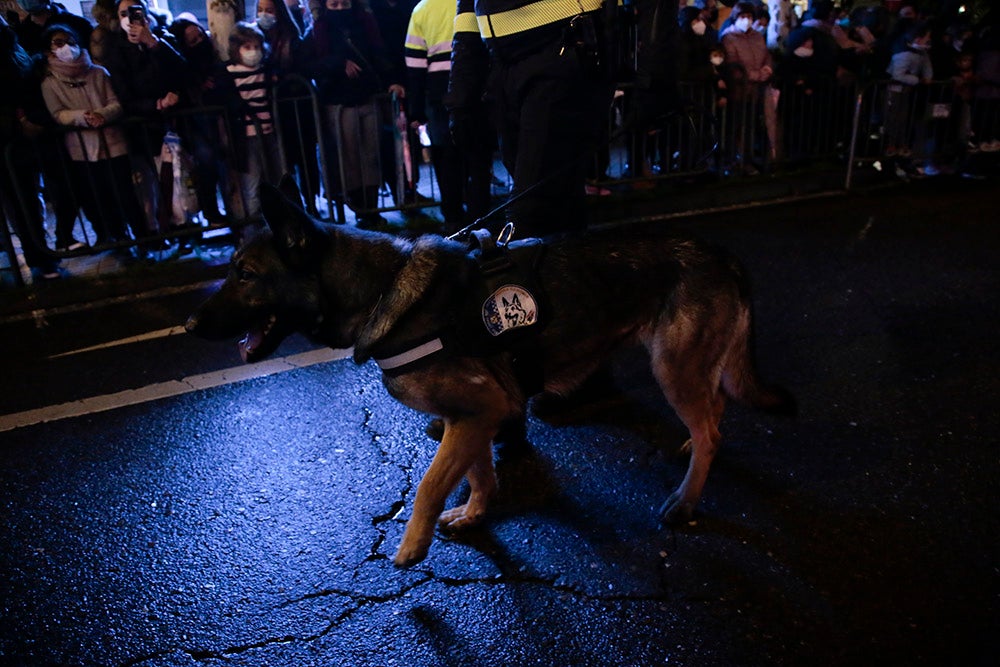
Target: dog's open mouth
{"x":261,"y":340}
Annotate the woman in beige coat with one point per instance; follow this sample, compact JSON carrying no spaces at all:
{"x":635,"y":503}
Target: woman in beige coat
{"x":79,"y":96}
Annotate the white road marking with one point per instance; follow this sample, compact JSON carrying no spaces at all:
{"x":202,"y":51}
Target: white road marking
{"x":160,"y":390}
{"x":152,"y":335}
{"x":41,"y":316}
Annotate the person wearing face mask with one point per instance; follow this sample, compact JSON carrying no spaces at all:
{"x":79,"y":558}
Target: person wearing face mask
{"x":749,"y":67}
{"x":147,"y":73}
{"x":761,"y":20}
{"x":199,"y":133}
{"x":693,"y":47}
{"x":78,"y":94}
{"x":247,"y":92}
{"x":19,"y":134}
{"x":288,"y":46}
{"x":803,"y":93}
{"x":746,"y":49}
{"x":351,"y":68}
{"x":41,"y":15}
{"x":908,"y":69}
{"x":697,"y":75}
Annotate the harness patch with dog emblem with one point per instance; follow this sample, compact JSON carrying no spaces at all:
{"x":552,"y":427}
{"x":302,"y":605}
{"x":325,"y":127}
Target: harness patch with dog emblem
{"x":509,"y":307}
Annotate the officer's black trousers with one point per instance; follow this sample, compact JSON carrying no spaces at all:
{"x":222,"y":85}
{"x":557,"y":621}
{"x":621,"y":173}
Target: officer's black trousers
{"x":551,"y":111}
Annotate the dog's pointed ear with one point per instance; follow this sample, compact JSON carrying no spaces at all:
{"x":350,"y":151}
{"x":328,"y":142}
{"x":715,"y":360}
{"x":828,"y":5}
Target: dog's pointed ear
{"x":288,"y":187}
{"x":296,"y":234}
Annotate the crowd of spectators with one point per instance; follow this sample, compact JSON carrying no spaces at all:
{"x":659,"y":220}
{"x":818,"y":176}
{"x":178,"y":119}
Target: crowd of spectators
{"x":119,"y":88}
{"x":100,"y":115}
{"x":768,"y":58}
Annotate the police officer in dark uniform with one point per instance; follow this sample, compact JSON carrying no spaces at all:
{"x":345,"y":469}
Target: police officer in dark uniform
{"x":548,"y":87}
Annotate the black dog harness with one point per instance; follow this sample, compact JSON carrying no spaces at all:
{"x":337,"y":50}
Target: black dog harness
{"x":507,"y":303}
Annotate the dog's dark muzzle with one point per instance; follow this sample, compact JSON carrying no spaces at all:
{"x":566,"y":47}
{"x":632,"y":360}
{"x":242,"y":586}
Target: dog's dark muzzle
{"x":217,"y":318}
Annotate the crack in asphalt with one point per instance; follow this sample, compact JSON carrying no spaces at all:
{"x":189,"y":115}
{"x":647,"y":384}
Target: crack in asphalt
{"x":379,"y":520}
{"x":361,"y":600}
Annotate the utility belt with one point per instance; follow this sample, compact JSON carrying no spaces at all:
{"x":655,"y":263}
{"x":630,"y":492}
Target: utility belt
{"x":533,"y":15}
{"x":515,"y":34}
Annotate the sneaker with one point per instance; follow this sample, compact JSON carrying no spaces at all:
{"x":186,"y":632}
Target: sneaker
{"x":72,"y":245}
{"x":46,"y":273}
{"x":990,"y":146}
{"x":890,"y":151}
{"x":904,"y":152}
{"x":971,"y":147}
{"x":596,"y":190}
{"x":928,"y":170}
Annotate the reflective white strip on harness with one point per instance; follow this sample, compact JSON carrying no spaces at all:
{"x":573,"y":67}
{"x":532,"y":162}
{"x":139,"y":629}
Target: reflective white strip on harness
{"x":531,"y":16}
{"x":408,"y":357}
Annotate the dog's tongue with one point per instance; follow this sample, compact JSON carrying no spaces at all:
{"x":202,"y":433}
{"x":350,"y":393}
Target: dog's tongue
{"x":251,"y":342}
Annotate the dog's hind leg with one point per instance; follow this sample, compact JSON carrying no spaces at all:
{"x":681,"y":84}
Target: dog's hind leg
{"x":703,"y":424}
{"x":688,"y":371}
{"x":466,"y":444}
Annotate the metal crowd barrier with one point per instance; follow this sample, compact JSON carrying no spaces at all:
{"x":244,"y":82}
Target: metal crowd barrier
{"x":757,"y":131}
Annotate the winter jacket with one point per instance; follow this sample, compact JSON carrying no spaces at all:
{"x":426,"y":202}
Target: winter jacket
{"x":746,"y":57}
{"x":67,"y":98}
{"x":344,"y":35}
{"x":911,"y":67}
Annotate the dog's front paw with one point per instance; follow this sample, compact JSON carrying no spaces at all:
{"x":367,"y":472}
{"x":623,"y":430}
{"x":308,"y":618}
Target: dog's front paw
{"x":460,"y":518}
{"x":676,"y":510}
{"x":412,"y":550}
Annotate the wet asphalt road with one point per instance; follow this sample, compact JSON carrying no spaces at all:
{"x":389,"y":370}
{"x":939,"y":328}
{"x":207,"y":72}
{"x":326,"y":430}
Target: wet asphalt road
{"x":252,"y":523}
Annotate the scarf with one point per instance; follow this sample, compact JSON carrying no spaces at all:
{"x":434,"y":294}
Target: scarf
{"x":76,"y":69}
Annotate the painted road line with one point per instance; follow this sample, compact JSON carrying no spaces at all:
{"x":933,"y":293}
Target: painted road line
{"x":152,"y":335}
{"x":41,"y":315}
{"x":160,"y":390}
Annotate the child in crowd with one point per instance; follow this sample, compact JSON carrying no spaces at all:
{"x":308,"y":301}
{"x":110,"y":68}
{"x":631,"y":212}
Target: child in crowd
{"x":78,"y":94}
{"x":717,"y":59}
{"x":907,"y":69}
{"x":248,"y":93}
{"x":964,"y":80}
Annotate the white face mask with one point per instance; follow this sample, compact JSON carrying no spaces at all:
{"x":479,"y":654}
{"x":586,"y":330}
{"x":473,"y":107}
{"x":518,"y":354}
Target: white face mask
{"x":266,"y":21}
{"x":803,"y":52}
{"x":67,"y":52}
{"x":742,"y":24}
{"x":698,"y":27}
{"x":125,"y":23}
{"x":251,"y":56}
{"x":716,"y":60}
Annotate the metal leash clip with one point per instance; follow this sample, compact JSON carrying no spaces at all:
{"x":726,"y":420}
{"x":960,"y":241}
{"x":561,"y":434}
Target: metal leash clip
{"x":506,"y":235}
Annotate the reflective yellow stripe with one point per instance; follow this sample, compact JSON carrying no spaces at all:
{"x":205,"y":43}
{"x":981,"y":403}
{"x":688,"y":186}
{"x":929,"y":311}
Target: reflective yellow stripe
{"x":466,"y":22}
{"x":531,"y":16}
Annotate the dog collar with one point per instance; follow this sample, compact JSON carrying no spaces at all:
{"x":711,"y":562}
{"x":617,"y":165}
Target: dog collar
{"x":397,"y":361}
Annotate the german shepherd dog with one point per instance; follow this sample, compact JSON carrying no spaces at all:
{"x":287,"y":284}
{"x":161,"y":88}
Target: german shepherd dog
{"x":686,"y":302}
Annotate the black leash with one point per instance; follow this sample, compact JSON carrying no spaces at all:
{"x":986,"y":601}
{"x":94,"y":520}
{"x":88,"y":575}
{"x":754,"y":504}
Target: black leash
{"x":508,"y":230}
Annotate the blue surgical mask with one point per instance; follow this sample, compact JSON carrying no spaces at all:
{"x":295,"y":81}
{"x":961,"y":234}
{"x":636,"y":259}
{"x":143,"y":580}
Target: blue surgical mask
{"x":251,"y":57}
{"x":266,"y":21}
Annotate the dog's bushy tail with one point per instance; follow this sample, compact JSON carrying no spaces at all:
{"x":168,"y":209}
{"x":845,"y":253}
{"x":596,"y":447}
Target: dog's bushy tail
{"x":741,"y":382}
